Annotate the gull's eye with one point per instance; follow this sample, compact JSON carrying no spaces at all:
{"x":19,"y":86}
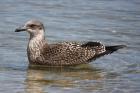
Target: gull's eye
{"x":32,"y":26}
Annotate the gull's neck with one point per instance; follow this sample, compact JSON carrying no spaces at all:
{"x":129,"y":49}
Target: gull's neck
{"x":35,"y":45}
{"x":37,"y":39}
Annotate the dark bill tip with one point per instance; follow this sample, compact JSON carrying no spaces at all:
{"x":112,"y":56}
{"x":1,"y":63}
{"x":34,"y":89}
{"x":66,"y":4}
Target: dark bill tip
{"x":20,"y":29}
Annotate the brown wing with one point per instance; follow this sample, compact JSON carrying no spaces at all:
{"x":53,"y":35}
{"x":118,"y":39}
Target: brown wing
{"x":97,"y":46}
{"x":73,"y":53}
{"x":67,"y":54}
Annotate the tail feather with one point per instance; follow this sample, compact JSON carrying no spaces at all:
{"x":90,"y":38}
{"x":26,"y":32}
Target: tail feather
{"x":111,"y":49}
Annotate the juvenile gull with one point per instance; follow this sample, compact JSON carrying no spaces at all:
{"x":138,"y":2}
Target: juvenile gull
{"x":61,"y":54}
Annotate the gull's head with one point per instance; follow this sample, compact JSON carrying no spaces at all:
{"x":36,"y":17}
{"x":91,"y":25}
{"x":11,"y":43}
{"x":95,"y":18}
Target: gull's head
{"x":34,"y":27}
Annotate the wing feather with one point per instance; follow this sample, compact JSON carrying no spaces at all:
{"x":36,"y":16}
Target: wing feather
{"x":67,"y":54}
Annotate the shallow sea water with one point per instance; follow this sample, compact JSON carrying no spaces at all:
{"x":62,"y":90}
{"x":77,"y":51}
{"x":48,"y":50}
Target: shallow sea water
{"x":109,"y":21}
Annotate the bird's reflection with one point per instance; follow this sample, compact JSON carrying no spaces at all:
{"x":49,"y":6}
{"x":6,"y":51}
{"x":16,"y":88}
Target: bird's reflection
{"x":39,"y":77}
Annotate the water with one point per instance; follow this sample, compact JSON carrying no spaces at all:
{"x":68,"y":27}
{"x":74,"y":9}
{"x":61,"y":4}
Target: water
{"x":109,"y":21}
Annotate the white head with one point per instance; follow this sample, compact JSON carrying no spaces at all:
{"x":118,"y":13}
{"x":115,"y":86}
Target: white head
{"x":33,"y":27}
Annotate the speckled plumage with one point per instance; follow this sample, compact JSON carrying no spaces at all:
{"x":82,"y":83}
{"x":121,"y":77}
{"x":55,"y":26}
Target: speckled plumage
{"x":60,"y":54}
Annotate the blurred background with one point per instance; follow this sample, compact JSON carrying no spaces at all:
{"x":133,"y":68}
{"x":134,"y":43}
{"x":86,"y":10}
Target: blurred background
{"x":109,"y":21}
